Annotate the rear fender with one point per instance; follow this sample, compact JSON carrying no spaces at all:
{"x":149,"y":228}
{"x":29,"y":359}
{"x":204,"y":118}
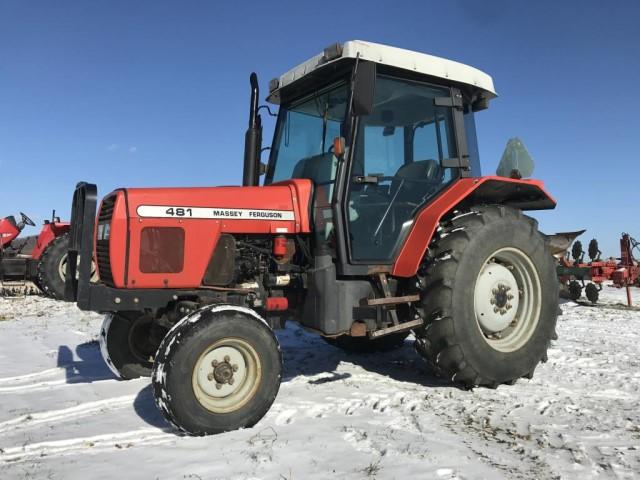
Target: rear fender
{"x":50,"y":231}
{"x":522,"y":194}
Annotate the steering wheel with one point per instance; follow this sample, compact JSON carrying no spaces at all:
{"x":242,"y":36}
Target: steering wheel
{"x":27,"y":220}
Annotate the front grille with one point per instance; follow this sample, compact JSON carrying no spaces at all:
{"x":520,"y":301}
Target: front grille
{"x":102,"y":244}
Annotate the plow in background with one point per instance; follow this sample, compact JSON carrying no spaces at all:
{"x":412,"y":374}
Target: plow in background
{"x":577,"y":275}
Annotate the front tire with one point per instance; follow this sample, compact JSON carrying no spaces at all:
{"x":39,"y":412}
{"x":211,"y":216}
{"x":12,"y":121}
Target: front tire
{"x":490,"y":298}
{"x":128,"y":343}
{"x":217,"y":370}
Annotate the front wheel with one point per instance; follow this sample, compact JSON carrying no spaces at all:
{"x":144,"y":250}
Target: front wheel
{"x":218,"y":369}
{"x":490,"y":298}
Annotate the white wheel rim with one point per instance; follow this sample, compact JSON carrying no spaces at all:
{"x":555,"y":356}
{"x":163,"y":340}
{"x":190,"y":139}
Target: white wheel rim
{"x":507,"y":299}
{"x":62,"y":269}
{"x":227,"y":375}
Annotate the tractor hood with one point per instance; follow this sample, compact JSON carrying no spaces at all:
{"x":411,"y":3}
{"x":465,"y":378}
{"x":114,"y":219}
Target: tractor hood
{"x":278,"y":208}
{"x":165,"y":237}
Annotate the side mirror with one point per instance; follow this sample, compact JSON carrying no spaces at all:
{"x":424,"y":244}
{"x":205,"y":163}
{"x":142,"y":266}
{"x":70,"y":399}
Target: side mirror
{"x":364,"y":85}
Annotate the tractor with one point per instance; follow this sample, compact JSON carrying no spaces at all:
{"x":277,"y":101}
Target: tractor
{"x":372,"y":221}
{"x":40,"y":259}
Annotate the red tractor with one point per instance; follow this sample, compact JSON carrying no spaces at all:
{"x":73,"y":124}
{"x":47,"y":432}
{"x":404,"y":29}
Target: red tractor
{"x":41,"y":259}
{"x":372,"y":222}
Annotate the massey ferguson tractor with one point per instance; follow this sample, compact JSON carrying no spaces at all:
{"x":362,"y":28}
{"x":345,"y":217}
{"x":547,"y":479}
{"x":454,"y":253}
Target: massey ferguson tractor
{"x":41,"y":259}
{"x":372,"y":222}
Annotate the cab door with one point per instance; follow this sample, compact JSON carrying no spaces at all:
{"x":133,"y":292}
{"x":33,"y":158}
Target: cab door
{"x":406,"y":151}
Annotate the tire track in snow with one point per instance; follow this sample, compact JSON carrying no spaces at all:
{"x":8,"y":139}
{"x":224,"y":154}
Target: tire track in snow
{"x":86,"y":445}
{"x":30,"y":376}
{"x":65,"y":414}
{"x":49,"y":385}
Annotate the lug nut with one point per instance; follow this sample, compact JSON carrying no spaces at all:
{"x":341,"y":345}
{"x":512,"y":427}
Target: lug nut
{"x":226,"y":358}
{"x":492,"y":301}
{"x":230,"y":381}
{"x":218,"y":386}
{"x":495,"y":310}
{"x":509,"y":297}
{"x":234,"y":367}
{"x":210,"y":377}
{"x":214,"y":363}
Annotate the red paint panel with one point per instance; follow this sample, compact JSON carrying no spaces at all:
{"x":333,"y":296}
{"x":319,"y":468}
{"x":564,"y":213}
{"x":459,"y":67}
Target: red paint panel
{"x":427,"y":220}
{"x":50,"y":231}
{"x":201,"y":234}
{"x":118,"y":241}
{"x":8,"y":232}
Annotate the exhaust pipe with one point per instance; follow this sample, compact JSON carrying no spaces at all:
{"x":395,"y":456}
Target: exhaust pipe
{"x":253,"y":138}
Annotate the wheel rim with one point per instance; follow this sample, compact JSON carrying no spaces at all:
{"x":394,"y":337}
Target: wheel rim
{"x":507,"y":299}
{"x":227,"y":375}
{"x":62,"y":269}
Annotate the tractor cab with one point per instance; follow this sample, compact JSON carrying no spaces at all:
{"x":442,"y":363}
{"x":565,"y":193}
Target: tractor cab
{"x":380,"y":131}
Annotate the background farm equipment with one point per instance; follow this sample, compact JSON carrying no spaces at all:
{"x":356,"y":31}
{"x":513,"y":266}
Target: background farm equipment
{"x":40,"y":259}
{"x":622,"y":272}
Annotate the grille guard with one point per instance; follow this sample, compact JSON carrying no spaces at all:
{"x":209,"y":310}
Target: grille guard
{"x":83,"y":219}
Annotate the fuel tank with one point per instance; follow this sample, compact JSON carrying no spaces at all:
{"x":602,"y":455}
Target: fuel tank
{"x":166,"y":237}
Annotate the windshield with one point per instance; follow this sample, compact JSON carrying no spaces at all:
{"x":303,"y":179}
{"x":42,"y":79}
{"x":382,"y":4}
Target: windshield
{"x":306,"y":129}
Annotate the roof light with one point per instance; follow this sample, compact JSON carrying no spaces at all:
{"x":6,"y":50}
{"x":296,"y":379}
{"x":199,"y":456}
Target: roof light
{"x":332,"y":52}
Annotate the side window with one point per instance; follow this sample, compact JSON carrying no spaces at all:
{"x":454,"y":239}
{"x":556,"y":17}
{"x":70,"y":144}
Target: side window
{"x":400,"y":151}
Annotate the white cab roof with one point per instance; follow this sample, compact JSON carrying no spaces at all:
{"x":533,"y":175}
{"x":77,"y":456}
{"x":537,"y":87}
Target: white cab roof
{"x":395,"y":57}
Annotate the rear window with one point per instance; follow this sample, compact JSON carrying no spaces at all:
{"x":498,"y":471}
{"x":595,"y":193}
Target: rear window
{"x":161,"y":250}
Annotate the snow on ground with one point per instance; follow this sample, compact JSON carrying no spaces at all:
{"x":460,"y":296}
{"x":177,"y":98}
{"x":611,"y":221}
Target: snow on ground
{"x":64,"y":416}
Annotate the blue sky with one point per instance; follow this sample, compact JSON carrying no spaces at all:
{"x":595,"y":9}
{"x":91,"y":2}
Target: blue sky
{"x":155,"y":93}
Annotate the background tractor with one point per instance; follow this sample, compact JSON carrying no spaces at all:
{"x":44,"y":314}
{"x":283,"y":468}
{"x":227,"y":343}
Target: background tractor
{"x":372,"y":221}
{"x":41,"y":259}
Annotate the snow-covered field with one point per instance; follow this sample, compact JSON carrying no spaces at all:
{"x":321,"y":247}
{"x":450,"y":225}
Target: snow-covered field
{"x":64,"y":416}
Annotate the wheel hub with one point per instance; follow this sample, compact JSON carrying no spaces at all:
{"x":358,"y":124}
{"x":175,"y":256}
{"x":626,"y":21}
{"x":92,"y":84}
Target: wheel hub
{"x":221,"y":371}
{"x":496,"y":298}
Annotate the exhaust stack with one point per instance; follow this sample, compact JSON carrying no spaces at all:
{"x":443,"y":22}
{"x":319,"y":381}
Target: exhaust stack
{"x":253,"y":138}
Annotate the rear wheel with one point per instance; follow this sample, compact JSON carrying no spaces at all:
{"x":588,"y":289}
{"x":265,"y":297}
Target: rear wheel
{"x":51,"y":267}
{"x":128,"y":343}
{"x":490,"y":298}
{"x":218,"y":369}
{"x":387,"y":343}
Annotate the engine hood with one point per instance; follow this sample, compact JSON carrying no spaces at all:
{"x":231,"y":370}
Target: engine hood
{"x":277,"y":208}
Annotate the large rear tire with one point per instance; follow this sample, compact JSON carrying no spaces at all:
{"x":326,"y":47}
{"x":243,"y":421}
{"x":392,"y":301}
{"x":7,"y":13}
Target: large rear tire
{"x":218,"y":369}
{"x":490,"y":298}
{"x":128,"y":343}
{"x":351,"y":344}
{"x":51,"y":267}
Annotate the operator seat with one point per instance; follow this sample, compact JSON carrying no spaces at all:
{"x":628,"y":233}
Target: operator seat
{"x":417,"y":180}
{"x":321,"y":170}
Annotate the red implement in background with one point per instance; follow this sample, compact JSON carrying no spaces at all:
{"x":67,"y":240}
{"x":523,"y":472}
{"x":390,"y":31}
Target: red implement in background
{"x":623,"y":272}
